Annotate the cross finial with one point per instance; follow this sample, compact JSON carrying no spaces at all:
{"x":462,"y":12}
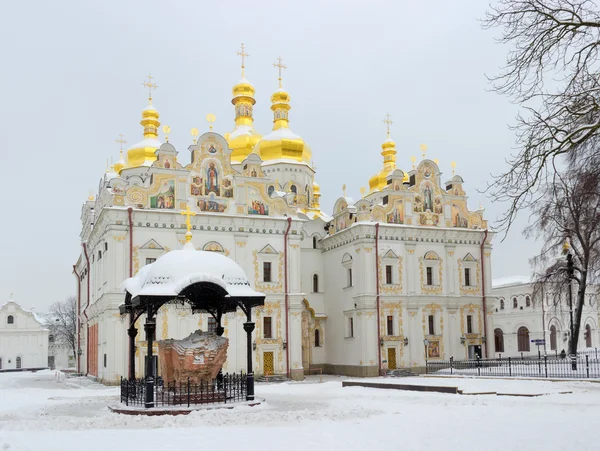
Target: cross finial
{"x":280,"y":66}
{"x":121,"y":140}
{"x":344,"y":189}
{"x":243,"y":54}
{"x":188,"y":223}
{"x":423,"y":149}
{"x":388,"y":121}
{"x":314,"y":165}
{"x":453,"y":164}
{"x":148,"y":84}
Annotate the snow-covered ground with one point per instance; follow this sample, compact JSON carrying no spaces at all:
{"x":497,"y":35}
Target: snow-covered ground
{"x":39,"y":413}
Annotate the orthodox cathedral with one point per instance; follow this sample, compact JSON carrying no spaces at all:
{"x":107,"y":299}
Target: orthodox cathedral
{"x":382,"y":283}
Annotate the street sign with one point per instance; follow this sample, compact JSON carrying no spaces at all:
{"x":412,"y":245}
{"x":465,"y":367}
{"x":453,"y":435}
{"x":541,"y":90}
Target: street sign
{"x":539,"y":341}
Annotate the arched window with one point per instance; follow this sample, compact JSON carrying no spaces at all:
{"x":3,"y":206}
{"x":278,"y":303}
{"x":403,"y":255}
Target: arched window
{"x":527,"y":301}
{"x":498,"y":340}
{"x":588,"y":336}
{"x":501,"y":304}
{"x":317,"y":338}
{"x":18,"y":362}
{"x":10,"y":319}
{"x":271,"y":190}
{"x":314,"y":242}
{"x":315,"y":283}
{"x":553,"y":338}
{"x":523,"y":339}
{"x":515,"y":303}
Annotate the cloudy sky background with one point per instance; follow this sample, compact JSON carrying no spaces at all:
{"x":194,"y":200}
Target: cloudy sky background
{"x":71,"y":83}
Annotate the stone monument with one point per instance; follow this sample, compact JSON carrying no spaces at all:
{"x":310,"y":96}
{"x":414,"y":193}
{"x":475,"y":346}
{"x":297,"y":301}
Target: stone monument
{"x":198,"y":357}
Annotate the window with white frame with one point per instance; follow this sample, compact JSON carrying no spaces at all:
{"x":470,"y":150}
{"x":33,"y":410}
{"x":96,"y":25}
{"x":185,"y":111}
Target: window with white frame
{"x":347,"y":264}
{"x":431,"y":263}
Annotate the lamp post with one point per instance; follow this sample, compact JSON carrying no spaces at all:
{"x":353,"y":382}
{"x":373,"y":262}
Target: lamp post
{"x":426,"y":344}
{"x":570,"y":276}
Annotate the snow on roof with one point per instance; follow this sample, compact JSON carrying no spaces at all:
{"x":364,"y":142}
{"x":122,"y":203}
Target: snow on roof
{"x":148,"y":142}
{"x":240,"y":130}
{"x":512,"y":280}
{"x":282,"y":133}
{"x":176,"y":270}
{"x":31,"y":310}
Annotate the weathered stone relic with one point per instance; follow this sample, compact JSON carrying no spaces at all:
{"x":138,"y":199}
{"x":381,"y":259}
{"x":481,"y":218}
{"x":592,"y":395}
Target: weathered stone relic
{"x":198,"y":357}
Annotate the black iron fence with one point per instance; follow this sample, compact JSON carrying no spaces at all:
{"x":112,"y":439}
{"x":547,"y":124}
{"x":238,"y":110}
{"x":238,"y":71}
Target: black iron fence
{"x":227,"y":388}
{"x":582,"y":367}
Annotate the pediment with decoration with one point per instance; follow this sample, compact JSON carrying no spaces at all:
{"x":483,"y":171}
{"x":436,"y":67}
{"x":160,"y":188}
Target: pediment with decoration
{"x":152,"y":244}
{"x":392,"y":213}
{"x":259,"y":203}
{"x":161,"y":193}
{"x":252,"y":166}
{"x":461,"y":217}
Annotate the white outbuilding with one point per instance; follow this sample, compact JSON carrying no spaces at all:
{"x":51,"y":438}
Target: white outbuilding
{"x":23,"y":339}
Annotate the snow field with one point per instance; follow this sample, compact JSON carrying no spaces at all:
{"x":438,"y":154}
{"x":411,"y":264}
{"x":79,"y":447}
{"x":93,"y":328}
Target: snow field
{"x":39,"y":413}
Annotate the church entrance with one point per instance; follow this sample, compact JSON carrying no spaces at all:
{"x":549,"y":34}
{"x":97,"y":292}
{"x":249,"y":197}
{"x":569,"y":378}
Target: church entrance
{"x":268,"y":363}
{"x":392,"y":359}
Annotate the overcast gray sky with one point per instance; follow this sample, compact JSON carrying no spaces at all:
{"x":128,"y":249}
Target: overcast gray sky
{"x":70,"y":82}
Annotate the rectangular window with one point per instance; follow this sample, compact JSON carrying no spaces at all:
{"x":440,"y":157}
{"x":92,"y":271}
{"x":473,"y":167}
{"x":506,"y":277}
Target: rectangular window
{"x":390,"y":325}
{"x":349,"y":277}
{"x":469,"y":324}
{"x":267,"y":327}
{"x":104,"y":360}
{"x":431,"y":325}
{"x":388,"y":274}
{"x":429,"y":275}
{"x":351,"y":327}
{"x":266,"y":271}
{"x":385,"y":200}
{"x":467,"y":277}
{"x":150,"y":260}
{"x":212,"y":324}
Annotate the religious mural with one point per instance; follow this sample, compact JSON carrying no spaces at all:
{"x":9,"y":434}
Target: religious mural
{"x":227,"y":188}
{"x":457,"y":219}
{"x":212,"y":184}
{"x":433,"y":349}
{"x":165,"y":197}
{"x":256,"y":205}
{"x":397,"y":214}
{"x":211,"y":204}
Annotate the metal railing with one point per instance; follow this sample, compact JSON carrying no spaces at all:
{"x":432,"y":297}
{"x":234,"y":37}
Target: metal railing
{"x":582,"y":367}
{"x":226,"y":389}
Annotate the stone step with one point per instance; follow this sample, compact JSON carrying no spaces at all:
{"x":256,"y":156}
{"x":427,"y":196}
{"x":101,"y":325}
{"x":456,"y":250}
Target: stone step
{"x":401,"y":372}
{"x":275,"y":378}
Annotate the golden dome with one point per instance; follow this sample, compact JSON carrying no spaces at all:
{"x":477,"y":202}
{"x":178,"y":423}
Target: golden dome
{"x":119,"y":165}
{"x":282,"y":143}
{"x":244,"y":137}
{"x":379,"y":180}
{"x":142,"y":153}
{"x":316,"y":188}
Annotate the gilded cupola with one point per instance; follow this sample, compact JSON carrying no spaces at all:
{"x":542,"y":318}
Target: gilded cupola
{"x":379,"y":180}
{"x":244,"y":137}
{"x":142,"y":153}
{"x":282,"y":143}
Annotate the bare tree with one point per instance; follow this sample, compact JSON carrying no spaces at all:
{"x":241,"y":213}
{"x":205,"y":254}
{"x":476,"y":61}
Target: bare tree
{"x":553,"y":72}
{"x":62,"y":323}
{"x":569,"y":209}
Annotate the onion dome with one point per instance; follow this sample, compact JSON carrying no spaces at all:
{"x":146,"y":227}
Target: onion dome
{"x":119,"y":165}
{"x":244,"y":137}
{"x":282,"y":143}
{"x":379,"y":180}
{"x":142,"y":153}
{"x":316,"y":194}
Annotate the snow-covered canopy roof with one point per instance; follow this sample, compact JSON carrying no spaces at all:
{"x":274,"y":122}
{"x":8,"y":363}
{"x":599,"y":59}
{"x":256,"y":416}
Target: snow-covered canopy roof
{"x":173,"y":272}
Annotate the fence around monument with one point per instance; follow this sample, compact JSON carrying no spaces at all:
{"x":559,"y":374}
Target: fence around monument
{"x":585,"y":367}
{"x":229,"y":388}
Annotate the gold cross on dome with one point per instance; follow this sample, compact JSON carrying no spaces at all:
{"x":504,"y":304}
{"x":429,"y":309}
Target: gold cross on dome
{"x":121,"y":140}
{"x":148,"y":84}
{"x":388,"y":121}
{"x":344,"y":189}
{"x":280,"y":66}
{"x":188,"y":223}
{"x":243,"y":55}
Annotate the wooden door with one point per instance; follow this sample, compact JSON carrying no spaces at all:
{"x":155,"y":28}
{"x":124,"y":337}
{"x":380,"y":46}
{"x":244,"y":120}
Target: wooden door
{"x":392,"y":359}
{"x":268,"y":363}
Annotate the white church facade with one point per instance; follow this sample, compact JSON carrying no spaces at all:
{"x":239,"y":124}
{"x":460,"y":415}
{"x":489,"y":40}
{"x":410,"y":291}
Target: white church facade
{"x":400,"y":276}
{"x":23,"y":339}
{"x":522,"y":314}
